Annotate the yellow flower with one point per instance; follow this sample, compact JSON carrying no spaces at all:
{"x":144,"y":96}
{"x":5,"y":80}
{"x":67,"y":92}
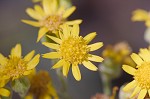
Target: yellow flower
{"x":72,"y":49}
{"x":15,"y":66}
{"x":141,"y":15}
{"x":50,"y":17}
{"x":3,"y":92}
{"x":118,"y":53}
{"x":41,"y":87}
{"x":141,"y":75}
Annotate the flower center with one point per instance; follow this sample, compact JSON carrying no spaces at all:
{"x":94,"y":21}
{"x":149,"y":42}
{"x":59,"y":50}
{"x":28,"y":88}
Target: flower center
{"x":15,"y":67}
{"x":142,"y":75}
{"x":39,"y":84}
{"x":74,"y":50}
{"x":52,"y":22}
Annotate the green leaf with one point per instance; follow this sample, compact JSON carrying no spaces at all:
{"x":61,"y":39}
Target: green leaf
{"x":21,"y":86}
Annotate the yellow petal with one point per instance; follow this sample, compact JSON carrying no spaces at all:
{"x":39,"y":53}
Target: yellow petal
{"x":76,"y":72}
{"x":90,"y":37}
{"x":3,"y":60}
{"x":90,"y":66}
{"x":47,"y":7}
{"x":12,"y":51}
{"x":16,"y":51}
{"x":5,"y":77}
{"x":57,"y":40}
{"x":66,"y":31}
{"x":50,"y":6}
{"x":32,"y":13}
{"x":130,"y":86}
{"x":79,"y":21}
{"x":39,"y":10}
{"x":54,"y":6}
{"x":129,"y":69}
{"x":60,"y":10}
{"x":75,"y":30}
{"x":51,"y":55}
{"x":136,"y":59}
{"x":68,"y":12}
{"x":33,"y":23}
{"x":95,"y":46}
{"x":142,"y":94}
{"x":140,"y":15}
{"x":27,"y":72}
{"x":51,"y":45}
{"x":145,"y":54}
{"x":66,"y":68}
{"x":32,"y":64}
{"x":3,"y":83}
{"x":4,"y":92}
{"x":60,"y":34}
{"x":95,"y":58}
{"x":29,"y":56}
{"x":58,"y":64}
{"x":136,"y":91}
{"x":41,"y":33}
{"x":147,"y":23}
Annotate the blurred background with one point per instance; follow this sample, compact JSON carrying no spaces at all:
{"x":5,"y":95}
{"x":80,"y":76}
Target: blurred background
{"x":111,"y":19}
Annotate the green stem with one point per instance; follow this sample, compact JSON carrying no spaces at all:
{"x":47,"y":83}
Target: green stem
{"x":106,"y":81}
{"x":63,"y":90}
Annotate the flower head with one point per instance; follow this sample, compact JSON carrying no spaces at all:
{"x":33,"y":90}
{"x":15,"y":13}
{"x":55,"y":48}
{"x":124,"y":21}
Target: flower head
{"x":41,"y":87}
{"x":50,"y":17}
{"x":73,"y":50}
{"x":15,"y":66}
{"x":141,"y":74}
{"x":118,"y":52}
{"x":141,"y":15}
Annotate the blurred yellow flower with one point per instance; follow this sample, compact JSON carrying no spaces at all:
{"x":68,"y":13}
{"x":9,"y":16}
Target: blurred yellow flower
{"x":50,"y":17}
{"x":141,"y":15}
{"x":3,"y":92}
{"x":15,"y":66}
{"x":141,"y":82}
{"x":41,"y":87}
{"x":73,"y":49}
{"x":117,"y":53}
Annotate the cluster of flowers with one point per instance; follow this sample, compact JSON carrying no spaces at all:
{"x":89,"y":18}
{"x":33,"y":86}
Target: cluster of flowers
{"x":70,"y":49}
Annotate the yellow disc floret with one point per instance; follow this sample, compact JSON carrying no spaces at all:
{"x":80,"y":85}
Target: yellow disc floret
{"x":74,"y":50}
{"x":15,"y":67}
{"x":52,"y":22}
{"x":142,"y":75}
